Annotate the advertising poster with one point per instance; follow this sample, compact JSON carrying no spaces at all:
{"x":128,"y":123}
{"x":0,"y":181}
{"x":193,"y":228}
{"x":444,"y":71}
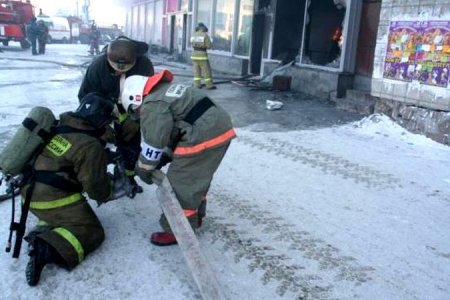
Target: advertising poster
{"x":401,"y":50}
{"x":419,"y":50}
{"x":433,"y":53}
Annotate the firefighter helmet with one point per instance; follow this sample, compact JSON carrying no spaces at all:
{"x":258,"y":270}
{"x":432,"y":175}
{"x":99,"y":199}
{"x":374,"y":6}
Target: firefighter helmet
{"x":97,"y":109}
{"x":136,"y":87}
{"x":201,"y":26}
{"x":121,"y":54}
{"x":133,"y":90}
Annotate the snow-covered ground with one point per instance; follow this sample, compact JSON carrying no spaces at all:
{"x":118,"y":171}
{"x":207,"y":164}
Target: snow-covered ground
{"x":359,"y":211}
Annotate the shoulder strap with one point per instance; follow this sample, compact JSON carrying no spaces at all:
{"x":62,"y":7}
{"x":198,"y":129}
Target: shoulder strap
{"x":67,"y":129}
{"x":57,"y":181}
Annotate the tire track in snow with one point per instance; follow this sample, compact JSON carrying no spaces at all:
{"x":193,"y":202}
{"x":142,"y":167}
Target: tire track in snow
{"x":276,"y":264}
{"x":327,"y":163}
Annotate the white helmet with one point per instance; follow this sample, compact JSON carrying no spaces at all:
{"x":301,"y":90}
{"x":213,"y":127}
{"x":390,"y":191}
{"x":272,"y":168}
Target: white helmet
{"x":133,"y":90}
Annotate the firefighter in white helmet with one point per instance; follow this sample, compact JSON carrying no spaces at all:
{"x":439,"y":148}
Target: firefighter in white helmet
{"x":179,"y":124}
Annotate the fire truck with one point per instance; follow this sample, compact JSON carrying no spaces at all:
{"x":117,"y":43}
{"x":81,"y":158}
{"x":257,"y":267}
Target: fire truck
{"x":14,"y":16}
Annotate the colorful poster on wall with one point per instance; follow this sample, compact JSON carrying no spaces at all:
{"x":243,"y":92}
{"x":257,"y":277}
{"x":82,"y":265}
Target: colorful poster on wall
{"x":419,"y":50}
{"x":401,"y":51}
{"x":433,"y":53}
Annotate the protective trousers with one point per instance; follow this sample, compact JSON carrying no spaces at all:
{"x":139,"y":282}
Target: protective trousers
{"x":74,"y":231}
{"x":190,"y":177}
{"x":202,"y":69}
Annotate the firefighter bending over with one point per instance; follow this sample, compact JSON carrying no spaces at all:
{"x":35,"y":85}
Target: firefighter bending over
{"x":180,"y":124}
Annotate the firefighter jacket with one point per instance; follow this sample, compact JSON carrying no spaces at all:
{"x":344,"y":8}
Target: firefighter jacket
{"x":200,"y":42}
{"x":182,"y":118}
{"x":79,"y":158}
{"x":101,"y":77}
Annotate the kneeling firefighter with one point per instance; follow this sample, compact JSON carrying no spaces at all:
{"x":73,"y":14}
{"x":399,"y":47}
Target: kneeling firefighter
{"x":74,"y":161}
{"x":180,"y":124}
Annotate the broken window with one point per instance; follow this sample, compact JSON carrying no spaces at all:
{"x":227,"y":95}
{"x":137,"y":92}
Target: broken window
{"x":288,"y":28}
{"x":322,"y":43}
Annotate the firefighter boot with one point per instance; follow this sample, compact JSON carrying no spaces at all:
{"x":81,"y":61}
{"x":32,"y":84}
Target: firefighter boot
{"x":40,"y":254}
{"x":163,"y":239}
{"x":137,"y":189}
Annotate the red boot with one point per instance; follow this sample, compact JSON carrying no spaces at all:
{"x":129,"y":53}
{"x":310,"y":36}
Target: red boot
{"x":163,"y":239}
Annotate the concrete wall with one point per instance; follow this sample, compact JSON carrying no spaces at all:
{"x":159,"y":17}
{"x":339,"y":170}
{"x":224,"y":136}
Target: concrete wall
{"x":310,"y":81}
{"x":228,"y":64}
{"x":409,"y":93}
{"x":225,"y":64}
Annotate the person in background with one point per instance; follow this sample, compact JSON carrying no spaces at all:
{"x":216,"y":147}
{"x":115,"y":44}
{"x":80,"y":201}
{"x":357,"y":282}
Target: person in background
{"x":201,"y":42}
{"x":73,"y":162}
{"x":42,"y":37}
{"x":94,"y":40}
{"x":32,"y":35}
{"x":183,"y":126}
{"x":106,"y":74}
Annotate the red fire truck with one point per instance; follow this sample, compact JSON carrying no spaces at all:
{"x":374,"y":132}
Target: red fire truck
{"x":14,"y":16}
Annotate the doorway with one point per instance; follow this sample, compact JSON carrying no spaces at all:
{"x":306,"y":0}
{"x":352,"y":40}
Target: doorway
{"x":178,"y":34}
{"x":370,"y":19}
{"x":258,"y":35}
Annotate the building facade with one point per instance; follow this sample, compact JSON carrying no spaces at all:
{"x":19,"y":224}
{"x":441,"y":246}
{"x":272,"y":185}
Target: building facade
{"x":410,"y":80}
{"x":349,"y":51}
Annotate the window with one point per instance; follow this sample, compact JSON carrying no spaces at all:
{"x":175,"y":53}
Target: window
{"x":150,"y":23}
{"x":158,"y":33}
{"x":134,"y":24}
{"x":323,"y":33}
{"x":139,"y":35}
{"x":185,"y":5}
{"x":223,"y":27}
{"x":204,"y":12}
{"x":245,"y":27}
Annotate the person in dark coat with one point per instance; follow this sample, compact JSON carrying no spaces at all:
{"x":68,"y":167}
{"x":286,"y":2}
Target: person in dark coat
{"x":123,"y":57}
{"x":42,"y":37}
{"x":32,"y":35}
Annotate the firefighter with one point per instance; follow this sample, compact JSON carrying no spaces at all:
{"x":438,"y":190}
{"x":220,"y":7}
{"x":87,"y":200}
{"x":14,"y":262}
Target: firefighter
{"x":74,"y":161}
{"x":32,"y":35}
{"x":180,"y":124}
{"x":201,"y":42}
{"x":42,"y":37}
{"x":124,"y":57}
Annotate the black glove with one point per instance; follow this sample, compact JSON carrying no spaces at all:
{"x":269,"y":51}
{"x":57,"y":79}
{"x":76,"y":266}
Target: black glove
{"x":165,"y":159}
